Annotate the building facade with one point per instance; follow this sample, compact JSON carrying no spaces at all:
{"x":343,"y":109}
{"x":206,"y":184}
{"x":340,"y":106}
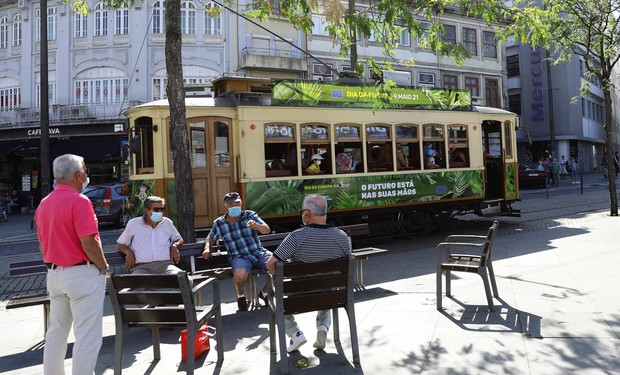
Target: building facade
{"x":109,"y":60}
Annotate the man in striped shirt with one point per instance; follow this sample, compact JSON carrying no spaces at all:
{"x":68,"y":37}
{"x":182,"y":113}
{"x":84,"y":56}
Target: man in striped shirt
{"x":315,"y":242}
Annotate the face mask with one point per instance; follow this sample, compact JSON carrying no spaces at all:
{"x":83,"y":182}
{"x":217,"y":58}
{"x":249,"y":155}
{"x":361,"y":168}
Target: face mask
{"x":234,"y":211}
{"x":85,"y":183}
{"x":157,"y":216}
{"x":318,"y":162}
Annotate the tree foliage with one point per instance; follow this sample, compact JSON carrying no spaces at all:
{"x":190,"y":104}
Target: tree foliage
{"x":588,"y":28}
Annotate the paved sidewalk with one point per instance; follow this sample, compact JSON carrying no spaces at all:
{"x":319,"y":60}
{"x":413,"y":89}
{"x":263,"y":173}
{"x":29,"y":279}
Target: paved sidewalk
{"x":557,"y":315}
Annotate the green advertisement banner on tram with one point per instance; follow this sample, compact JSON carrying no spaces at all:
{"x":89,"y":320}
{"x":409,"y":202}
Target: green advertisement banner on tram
{"x":280,"y":197}
{"x":313,"y":93}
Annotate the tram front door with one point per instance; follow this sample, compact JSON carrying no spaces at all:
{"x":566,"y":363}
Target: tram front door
{"x":211,"y":167}
{"x":493,"y":159}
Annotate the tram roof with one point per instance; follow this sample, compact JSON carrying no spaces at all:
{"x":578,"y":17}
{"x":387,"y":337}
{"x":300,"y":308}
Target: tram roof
{"x":491,"y":110}
{"x":227,"y":101}
{"x":191,"y":102}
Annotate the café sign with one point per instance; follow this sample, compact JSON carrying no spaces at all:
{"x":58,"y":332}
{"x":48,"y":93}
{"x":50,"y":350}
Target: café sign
{"x":37,"y":132}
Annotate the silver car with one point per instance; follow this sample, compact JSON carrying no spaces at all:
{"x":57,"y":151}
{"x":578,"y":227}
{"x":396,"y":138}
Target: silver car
{"x":109,"y":202}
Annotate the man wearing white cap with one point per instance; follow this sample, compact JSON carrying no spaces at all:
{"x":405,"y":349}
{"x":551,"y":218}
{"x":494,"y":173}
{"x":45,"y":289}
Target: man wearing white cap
{"x":315,"y":162}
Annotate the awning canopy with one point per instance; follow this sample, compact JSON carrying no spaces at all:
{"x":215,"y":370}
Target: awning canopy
{"x":92,"y":149}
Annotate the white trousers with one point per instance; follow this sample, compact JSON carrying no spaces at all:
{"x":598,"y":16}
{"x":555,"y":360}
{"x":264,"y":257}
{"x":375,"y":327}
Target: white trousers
{"x":76,"y":297}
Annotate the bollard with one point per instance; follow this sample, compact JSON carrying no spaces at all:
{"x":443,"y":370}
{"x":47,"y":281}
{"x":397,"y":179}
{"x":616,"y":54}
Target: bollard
{"x":547,"y":188}
{"x":581,"y":179}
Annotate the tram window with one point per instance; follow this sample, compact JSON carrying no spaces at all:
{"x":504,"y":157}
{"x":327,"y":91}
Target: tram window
{"x":434,"y":148}
{"x":198,"y":154}
{"x":144,"y":138}
{"x":407,"y":148}
{"x":222,"y":151}
{"x":280,"y":150}
{"x":508,"y":140}
{"x":379,"y":148}
{"x":458,"y":152}
{"x":348,"y":149}
{"x":315,"y":141}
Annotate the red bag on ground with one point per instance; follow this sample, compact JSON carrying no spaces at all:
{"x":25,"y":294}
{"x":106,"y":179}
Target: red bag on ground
{"x":201,"y":344}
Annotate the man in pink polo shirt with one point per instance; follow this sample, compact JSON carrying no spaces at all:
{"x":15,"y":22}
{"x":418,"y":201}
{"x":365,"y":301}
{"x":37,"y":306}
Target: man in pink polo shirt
{"x":71,"y":247}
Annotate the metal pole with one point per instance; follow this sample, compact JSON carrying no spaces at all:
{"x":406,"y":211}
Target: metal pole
{"x":581,"y":179}
{"x":44,"y":109}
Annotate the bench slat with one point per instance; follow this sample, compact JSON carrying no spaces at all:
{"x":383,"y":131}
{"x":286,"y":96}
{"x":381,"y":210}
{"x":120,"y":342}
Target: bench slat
{"x":313,"y":302}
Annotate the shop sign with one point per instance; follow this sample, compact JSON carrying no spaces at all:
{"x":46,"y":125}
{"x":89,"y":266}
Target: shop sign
{"x":37,"y":132}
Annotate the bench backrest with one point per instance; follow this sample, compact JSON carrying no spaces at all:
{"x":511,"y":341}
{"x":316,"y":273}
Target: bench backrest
{"x":37,"y":266}
{"x":488,"y":244}
{"x":314,"y":286}
{"x":169,"y":294}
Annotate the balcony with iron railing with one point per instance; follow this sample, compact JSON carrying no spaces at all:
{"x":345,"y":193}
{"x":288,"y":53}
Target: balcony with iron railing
{"x":64,"y":114}
{"x":273,"y":59}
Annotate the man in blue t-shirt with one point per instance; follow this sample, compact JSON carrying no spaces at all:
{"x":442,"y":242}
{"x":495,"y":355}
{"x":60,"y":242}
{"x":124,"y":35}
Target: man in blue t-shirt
{"x":239,"y":229}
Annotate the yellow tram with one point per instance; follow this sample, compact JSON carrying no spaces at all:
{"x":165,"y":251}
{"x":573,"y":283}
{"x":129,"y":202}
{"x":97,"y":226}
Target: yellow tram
{"x":430,"y":156}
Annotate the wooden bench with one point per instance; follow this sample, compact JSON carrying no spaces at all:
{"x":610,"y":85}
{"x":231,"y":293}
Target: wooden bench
{"x":326,"y":285}
{"x":34,"y":267}
{"x":115,"y":259}
{"x":170,"y":302}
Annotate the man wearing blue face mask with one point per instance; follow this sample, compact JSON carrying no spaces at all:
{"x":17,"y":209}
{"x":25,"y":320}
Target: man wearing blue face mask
{"x":151,"y":242}
{"x":239,"y":229}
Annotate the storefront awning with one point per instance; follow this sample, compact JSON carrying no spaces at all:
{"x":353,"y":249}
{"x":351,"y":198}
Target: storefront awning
{"x":92,"y":149}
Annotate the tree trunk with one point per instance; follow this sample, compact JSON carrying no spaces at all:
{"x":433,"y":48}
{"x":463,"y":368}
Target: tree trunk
{"x":353,"y":35}
{"x":180,"y":139}
{"x":611,"y":170}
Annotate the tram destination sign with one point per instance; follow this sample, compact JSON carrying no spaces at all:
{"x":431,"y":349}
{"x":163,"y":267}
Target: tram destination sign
{"x":331,"y":94}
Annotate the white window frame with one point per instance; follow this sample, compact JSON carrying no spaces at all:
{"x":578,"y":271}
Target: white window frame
{"x":100,"y":85}
{"x":159,"y":17}
{"x":213,"y":24}
{"x":121,"y":21}
{"x":101,"y":19}
{"x":17,"y":29}
{"x":4,"y":32}
{"x":318,"y":27}
{"x":10,"y":98}
{"x":404,"y":39}
{"x":51,"y":23}
{"x":80,"y":29}
{"x":188,"y":18}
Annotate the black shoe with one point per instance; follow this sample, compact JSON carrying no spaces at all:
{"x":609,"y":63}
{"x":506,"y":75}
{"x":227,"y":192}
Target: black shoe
{"x":242,"y":304}
{"x":265,"y":298}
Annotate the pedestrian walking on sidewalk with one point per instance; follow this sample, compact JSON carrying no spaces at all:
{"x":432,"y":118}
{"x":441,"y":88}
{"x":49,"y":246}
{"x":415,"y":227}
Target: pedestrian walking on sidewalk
{"x":555,"y":168}
{"x":563,"y":169}
{"x":71,"y":247}
{"x":573,"y":171}
{"x":315,"y":242}
{"x":616,"y":164}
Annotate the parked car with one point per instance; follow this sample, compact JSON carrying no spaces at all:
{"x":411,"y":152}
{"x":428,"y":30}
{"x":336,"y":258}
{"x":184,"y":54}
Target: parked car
{"x":109,"y":202}
{"x":529,"y":175}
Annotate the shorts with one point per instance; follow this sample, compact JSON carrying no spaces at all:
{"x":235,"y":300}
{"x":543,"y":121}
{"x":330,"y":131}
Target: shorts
{"x":248,"y":265}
